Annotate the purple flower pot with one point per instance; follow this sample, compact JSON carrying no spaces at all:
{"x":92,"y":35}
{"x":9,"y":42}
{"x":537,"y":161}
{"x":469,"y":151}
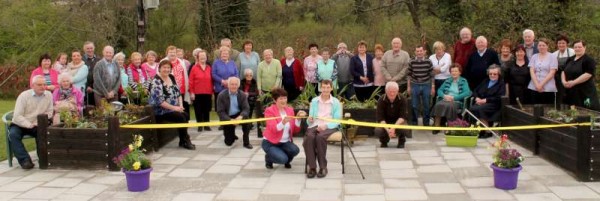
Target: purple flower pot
{"x":138,"y":180}
{"x":504,"y":178}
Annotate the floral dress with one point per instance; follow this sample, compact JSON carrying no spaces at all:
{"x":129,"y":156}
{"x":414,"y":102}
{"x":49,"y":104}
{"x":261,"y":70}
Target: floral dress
{"x":159,"y":93}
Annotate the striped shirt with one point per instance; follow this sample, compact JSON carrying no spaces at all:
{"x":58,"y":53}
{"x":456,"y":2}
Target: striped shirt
{"x":420,"y":70}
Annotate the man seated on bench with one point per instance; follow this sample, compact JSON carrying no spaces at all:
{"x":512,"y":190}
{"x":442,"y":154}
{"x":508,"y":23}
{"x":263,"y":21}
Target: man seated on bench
{"x":315,"y":141}
{"x":30,"y":104}
{"x":391,"y":110}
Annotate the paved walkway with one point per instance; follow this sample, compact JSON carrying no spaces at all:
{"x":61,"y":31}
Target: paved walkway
{"x":425,"y":170}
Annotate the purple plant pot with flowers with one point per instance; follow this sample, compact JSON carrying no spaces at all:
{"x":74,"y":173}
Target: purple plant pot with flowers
{"x":506,"y":165}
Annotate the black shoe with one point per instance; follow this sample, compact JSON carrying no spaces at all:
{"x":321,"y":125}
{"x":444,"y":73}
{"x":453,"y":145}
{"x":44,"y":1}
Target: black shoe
{"x":311,"y":173}
{"x":435,"y":132}
{"x":322,"y":173}
{"x":383,"y":145}
{"x":287,"y":166}
{"x":199,"y":129}
{"x":400,"y":146}
{"x":269,"y":165}
{"x":248,"y":146}
{"x":207,"y":128}
{"x":27,"y":164}
{"x":188,"y":146}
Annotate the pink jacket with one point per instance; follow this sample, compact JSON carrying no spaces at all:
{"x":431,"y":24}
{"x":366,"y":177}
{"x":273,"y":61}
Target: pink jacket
{"x":53,"y":76}
{"x":271,"y":133}
{"x":76,"y":93}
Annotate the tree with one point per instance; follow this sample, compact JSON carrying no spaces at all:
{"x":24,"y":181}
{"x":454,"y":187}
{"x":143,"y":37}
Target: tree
{"x":222,"y":19}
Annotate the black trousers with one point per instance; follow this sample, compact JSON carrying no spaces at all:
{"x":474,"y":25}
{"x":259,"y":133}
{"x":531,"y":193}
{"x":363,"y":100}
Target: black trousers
{"x":229,"y":132}
{"x":175,"y":117}
{"x":363,"y":93}
{"x":202,"y":106}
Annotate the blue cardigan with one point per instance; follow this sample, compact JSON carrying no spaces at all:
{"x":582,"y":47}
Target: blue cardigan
{"x":463,"y":89}
{"x":336,"y":107}
{"x":357,"y":70}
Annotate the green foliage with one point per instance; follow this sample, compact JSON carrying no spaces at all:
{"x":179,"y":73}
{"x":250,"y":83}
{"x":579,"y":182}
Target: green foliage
{"x":303,"y":100}
{"x":132,"y":158}
{"x":370,"y":103}
{"x":222,"y":19}
{"x":566,"y":116}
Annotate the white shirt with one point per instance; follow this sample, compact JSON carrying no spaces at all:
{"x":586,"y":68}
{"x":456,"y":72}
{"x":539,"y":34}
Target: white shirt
{"x":289,"y":62}
{"x":443,"y":64}
{"x":285,"y":127}
{"x":568,"y":53}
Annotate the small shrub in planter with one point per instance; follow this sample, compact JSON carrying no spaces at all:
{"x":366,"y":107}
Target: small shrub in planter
{"x":461,"y":138}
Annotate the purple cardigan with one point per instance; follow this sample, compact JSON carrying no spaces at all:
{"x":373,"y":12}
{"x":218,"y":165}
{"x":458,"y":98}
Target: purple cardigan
{"x":78,"y":97}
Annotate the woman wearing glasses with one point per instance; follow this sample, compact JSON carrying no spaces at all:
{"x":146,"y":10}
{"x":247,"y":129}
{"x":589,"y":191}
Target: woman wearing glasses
{"x":487,"y":97}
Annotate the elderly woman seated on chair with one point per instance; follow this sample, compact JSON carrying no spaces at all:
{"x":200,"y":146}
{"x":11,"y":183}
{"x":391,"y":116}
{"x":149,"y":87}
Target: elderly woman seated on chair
{"x":487,"y":98}
{"x":277,"y":142}
{"x":67,"y":98}
{"x":450,"y":96}
{"x":315,"y":141}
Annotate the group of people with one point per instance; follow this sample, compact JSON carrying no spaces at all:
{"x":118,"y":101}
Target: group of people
{"x":527,"y":73}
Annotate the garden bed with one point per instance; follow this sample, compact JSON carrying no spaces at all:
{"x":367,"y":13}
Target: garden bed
{"x":88,"y":148}
{"x":571,"y":148}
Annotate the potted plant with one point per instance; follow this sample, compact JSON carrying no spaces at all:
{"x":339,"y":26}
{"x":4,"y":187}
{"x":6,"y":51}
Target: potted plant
{"x":506,"y":164}
{"x":135,"y":165}
{"x":461,"y":138}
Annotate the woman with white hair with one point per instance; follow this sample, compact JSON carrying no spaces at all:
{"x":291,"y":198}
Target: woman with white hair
{"x":119,"y":59}
{"x":269,"y":73}
{"x":67,"y":98}
{"x":249,"y":86}
{"x":292,"y":74}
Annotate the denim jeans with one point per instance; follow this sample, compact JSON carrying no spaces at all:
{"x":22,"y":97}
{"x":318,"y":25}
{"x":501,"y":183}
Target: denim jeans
{"x":281,"y":153}
{"x":16,"y":144}
{"x":420,"y":93}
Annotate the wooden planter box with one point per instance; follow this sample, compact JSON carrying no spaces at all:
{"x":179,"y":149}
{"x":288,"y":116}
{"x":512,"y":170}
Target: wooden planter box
{"x":571,"y":148}
{"x":366,"y":115}
{"x":85,"y":148}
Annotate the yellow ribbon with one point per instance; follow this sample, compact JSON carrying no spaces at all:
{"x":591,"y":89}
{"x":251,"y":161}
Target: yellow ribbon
{"x":409,"y":127}
{"x":189,"y":125}
{"x":350,"y":122}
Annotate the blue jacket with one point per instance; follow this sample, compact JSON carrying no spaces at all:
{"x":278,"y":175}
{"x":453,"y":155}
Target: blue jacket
{"x":336,"y":110}
{"x":463,"y":89}
{"x":357,"y":70}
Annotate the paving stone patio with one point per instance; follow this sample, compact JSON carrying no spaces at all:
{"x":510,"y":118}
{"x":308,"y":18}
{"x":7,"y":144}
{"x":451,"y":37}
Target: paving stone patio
{"x":425,"y":170}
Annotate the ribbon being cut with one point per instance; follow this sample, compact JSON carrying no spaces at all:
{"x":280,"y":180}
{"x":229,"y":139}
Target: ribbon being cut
{"x":352,"y":122}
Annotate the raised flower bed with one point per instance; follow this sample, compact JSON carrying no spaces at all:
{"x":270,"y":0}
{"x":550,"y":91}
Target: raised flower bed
{"x":573,"y":148}
{"x":94,"y":148}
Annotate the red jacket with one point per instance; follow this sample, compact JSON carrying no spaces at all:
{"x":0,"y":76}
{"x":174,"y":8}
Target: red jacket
{"x":201,"y":80}
{"x":462,"y":52}
{"x":53,"y":76}
{"x":134,"y":75}
{"x":298,"y":71}
{"x":271,"y":133}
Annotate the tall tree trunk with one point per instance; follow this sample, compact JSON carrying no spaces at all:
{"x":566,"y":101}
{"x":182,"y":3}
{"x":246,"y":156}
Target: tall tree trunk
{"x":413,"y":8}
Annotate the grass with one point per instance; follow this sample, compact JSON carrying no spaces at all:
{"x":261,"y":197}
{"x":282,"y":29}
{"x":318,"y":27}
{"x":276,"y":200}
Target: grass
{"x":5,"y":106}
